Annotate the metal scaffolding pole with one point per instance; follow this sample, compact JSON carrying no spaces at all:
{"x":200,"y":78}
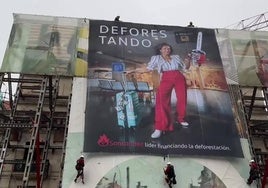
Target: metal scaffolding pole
{"x":65,"y":135}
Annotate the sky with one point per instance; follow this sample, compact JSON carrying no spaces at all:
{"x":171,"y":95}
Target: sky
{"x":205,"y":13}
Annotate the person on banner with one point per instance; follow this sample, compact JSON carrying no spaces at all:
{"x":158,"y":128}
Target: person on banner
{"x":205,"y":178}
{"x":170,"y":175}
{"x":253,"y":172}
{"x":171,"y":68}
{"x":80,"y":163}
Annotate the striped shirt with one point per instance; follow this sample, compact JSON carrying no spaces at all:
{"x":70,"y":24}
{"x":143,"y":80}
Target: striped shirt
{"x":158,"y":62}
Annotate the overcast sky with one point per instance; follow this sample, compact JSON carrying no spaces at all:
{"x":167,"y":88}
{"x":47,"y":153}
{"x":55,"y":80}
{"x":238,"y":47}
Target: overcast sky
{"x":205,"y":13}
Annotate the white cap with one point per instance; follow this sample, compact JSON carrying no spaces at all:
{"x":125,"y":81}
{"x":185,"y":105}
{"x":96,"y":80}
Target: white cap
{"x":251,"y":161}
{"x":82,"y":156}
{"x":169,"y":162}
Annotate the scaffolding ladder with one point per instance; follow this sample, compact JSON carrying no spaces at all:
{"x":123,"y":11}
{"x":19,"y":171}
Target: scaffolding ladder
{"x":53,"y":93}
{"x":257,"y":101}
{"x":35,"y":131}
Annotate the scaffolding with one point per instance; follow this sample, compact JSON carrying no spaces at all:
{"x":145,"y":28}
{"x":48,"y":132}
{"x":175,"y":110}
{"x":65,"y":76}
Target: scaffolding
{"x":254,"y":23}
{"x":38,"y":104}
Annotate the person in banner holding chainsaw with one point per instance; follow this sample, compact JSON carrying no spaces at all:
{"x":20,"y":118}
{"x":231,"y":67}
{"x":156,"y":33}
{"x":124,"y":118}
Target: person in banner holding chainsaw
{"x":198,"y":56}
{"x":171,"y":68}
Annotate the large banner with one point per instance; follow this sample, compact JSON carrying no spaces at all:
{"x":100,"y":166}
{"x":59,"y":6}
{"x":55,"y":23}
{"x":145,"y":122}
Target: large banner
{"x":157,"y":90}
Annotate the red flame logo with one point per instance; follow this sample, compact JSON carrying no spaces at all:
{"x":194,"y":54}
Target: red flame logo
{"x":103,"y":140}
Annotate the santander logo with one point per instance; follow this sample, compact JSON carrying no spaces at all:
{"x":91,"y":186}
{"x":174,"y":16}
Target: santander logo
{"x":103,"y":140}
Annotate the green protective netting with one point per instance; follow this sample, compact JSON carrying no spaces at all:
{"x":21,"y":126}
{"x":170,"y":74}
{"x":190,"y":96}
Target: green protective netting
{"x":43,"y":45}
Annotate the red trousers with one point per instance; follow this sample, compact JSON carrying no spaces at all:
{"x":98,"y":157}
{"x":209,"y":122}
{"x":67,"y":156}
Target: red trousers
{"x":163,"y":114}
